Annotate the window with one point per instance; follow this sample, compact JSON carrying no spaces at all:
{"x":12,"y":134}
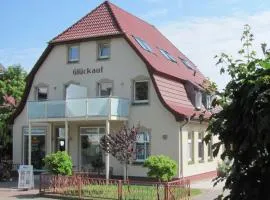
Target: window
{"x":167,"y":55}
{"x":42,"y":93}
{"x":90,"y":150}
{"x":207,"y":100}
{"x":187,"y":63}
{"x":200,"y":147}
{"x":103,"y":50}
{"x":73,"y":54}
{"x":190,"y":147}
{"x":141,"y":92}
{"x":38,"y":146}
{"x":143,"y":44}
{"x":210,"y":151}
{"x":198,"y":99}
{"x":105,"y":89}
{"x":142,"y":146}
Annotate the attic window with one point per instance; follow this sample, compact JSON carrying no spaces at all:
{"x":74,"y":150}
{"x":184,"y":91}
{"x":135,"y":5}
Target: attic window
{"x":167,"y":55}
{"x":187,"y":63}
{"x":198,"y":100}
{"x":143,"y":44}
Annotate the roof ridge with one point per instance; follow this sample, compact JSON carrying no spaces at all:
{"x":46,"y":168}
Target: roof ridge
{"x":112,"y":4}
{"x":106,"y":3}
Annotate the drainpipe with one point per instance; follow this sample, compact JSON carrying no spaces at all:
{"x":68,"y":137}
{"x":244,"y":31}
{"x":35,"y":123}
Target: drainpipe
{"x":187,"y":120}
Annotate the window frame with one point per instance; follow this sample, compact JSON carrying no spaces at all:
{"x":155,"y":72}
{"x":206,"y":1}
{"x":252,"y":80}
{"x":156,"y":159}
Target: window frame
{"x":198,"y":99}
{"x":167,"y":55}
{"x":41,"y":85}
{"x":99,"y":46}
{"x":70,"y":61}
{"x":191,"y":141}
{"x":143,"y":44}
{"x":101,"y":82}
{"x":146,"y":143}
{"x":134,"y":92}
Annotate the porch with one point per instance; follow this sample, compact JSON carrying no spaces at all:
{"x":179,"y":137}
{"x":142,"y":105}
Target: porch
{"x":75,"y":126}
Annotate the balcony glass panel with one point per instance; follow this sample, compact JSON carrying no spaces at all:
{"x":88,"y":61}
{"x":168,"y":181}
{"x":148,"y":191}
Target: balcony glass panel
{"x":76,"y":108}
{"x":37,"y":110}
{"x":98,"y":107}
{"x":119,"y":107}
{"x":56,"y":109}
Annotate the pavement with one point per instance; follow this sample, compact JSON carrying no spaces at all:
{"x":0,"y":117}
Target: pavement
{"x":209,"y":192}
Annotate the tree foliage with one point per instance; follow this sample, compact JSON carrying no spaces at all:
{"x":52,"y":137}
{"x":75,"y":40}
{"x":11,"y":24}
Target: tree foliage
{"x":120,"y":145}
{"x":161,"y":167}
{"x":12,"y":84}
{"x":242,"y":125}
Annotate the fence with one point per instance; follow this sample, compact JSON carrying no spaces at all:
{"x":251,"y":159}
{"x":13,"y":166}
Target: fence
{"x":82,"y":186}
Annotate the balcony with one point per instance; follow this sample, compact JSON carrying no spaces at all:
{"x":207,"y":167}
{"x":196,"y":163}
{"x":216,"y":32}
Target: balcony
{"x":112,"y":108}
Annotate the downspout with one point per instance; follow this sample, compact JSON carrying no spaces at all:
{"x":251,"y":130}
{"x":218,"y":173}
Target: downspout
{"x":187,"y":120}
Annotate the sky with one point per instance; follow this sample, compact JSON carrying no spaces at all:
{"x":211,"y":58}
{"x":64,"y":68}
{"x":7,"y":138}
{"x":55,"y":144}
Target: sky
{"x":201,"y":29}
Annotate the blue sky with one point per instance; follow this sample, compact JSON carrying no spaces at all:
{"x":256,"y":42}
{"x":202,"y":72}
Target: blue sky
{"x":27,"y":26}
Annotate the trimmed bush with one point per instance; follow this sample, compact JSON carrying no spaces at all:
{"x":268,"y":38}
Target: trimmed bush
{"x":161,"y":167}
{"x":59,"y":163}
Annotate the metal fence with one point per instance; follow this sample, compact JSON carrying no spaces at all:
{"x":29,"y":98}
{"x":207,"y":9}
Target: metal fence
{"x":82,"y":186}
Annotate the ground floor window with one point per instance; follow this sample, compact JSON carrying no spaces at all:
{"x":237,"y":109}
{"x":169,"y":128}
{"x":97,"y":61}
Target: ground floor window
{"x":89,"y":146}
{"x":38,"y":146}
{"x":142,"y":146}
{"x":190,"y":147}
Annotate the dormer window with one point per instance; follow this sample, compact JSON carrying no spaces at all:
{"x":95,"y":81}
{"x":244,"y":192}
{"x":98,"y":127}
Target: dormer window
{"x":187,"y":63}
{"x":104,"y":51}
{"x":143,"y":44}
{"x":198,"y":100}
{"x":167,"y":55}
{"x":73,"y":53}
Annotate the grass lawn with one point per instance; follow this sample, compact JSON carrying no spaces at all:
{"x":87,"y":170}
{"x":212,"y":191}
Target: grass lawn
{"x":131,"y":192}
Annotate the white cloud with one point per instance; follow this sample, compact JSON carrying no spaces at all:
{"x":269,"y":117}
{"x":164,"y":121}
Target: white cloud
{"x":25,"y":57}
{"x":155,"y":13}
{"x":202,"y":38}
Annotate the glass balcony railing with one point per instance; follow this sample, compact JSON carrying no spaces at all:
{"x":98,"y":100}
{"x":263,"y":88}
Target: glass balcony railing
{"x":79,"y":108}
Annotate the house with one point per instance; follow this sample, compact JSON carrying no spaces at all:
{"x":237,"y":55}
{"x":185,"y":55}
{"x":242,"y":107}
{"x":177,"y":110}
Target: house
{"x":108,"y":70}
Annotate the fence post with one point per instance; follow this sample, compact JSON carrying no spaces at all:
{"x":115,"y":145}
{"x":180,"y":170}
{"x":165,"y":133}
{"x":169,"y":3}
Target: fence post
{"x":166,"y":192}
{"x":120,"y":190}
{"x":80,"y":187}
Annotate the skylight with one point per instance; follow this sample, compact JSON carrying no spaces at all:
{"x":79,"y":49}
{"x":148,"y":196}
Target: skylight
{"x":167,"y":55}
{"x":143,"y":44}
{"x":187,"y":63}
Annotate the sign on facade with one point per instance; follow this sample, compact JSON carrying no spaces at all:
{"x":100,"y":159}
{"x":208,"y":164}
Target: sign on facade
{"x":26,"y":177}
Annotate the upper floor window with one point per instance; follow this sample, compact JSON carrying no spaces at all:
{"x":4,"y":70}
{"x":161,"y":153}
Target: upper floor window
{"x":198,"y":100}
{"x":104,"y":50}
{"x":142,"y":146}
{"x":167,"y":55}
{"x":105,"y":89}
{"x":73,"y":53}
{"x":141,"y":91}
{"x":143,"y":44}
{"x":42,"y":93}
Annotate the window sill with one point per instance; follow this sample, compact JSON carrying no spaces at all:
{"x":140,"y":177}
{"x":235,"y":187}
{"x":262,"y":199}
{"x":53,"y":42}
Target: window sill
{"x":73,"y":62}
{"x":138,"y":163}
{"x":134,"y":103}
{"x":103,"y":58}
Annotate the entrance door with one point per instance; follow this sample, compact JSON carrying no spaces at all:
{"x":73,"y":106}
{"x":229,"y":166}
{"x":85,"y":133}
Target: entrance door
{"x":59,"y":144}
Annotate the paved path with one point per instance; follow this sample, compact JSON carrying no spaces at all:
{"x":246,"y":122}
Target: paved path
{"x":208,"y":191}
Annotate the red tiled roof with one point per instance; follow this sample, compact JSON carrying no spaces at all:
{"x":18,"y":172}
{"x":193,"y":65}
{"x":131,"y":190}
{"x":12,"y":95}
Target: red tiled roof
{"x":99,"y":22}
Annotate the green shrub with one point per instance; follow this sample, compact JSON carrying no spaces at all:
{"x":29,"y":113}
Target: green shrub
{"x":59,"y":163}
{"x":224,"y":168}
{"x":161,"y":167}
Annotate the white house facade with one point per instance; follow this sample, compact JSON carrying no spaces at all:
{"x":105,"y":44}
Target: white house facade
{"x":107,"y":71}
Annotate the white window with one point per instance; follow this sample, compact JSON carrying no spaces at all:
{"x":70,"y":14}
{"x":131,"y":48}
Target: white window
{"x":187,"y":63}
{"x":200,"y":147}
{"x":143,"y":44}
{"x":142,"y":146}
{"x":105,"y":89}
{"x":141,"y":92}
{"x":104,"y":50}
{"x":42,"y":93}
{"x":190,"y":147}
{"x":73,"y":53}
{"x":167,"y":55}
{"x":210,"y":151}
{"x":198,"y":99}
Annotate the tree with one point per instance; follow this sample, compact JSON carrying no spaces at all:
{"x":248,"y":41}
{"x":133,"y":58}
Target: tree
{"x":121,"y":146}
{"x":12,"y":84}
{"x":242,"y":125}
